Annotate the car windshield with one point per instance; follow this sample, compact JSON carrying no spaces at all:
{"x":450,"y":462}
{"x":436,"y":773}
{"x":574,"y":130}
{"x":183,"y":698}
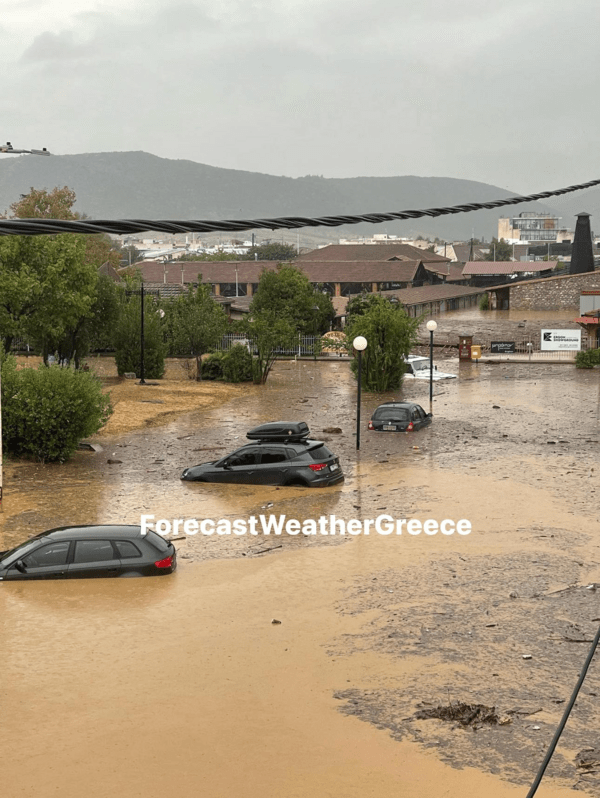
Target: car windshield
{"x":391,"y":414}
{"x":420,"y":365}
{"x":20,"y":551}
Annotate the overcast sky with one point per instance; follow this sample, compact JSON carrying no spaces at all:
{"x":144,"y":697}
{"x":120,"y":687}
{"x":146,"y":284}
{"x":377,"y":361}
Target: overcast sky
{"x":503,"y":93}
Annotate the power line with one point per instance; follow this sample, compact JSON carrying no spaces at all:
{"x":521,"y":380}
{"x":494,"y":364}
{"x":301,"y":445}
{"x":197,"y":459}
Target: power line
{"x":36,"y":227}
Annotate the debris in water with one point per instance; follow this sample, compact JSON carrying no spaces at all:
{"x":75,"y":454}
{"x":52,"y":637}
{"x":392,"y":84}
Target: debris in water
{"x":466,"y":714}
{"x":588,"y":758}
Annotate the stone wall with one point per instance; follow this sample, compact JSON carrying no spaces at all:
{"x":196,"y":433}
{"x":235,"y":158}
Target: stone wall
{"x":553,"y":293}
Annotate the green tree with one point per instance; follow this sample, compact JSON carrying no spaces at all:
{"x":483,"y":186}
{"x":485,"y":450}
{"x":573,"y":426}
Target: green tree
{"x":46,"y":286}
{"x":43,"y":204}
{"x":22,"y":261}
{"x":499,"y":250}
{"x":390,"y":334}
{"x":95,"y":329}
{"x":362,"y":303}
{"x":273,"y":251}
{"x":269,"y":331}
{"x":287,"y":292}
{"x":196,"y":323}
{"x":58,"y":204}
{"x":48,"y":283}
{"x":127,"y":338}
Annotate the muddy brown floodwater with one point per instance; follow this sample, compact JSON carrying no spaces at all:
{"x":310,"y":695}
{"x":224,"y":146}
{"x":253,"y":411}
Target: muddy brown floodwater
{"x":183,"y":686}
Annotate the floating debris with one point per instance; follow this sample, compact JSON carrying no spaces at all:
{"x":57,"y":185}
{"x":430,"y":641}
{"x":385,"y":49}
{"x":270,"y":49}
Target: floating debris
{"x":588,"y":758}
{"x":466,"y":714}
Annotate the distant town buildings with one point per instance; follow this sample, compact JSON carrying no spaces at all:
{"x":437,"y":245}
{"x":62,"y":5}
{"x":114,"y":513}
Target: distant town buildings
{"x":530,"y":228}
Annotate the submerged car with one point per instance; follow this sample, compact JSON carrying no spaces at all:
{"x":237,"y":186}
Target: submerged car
{"x":418,"y":368}
{"x":80,"y":552}
{"x":281,"y":453}
{"x":399,"y":417}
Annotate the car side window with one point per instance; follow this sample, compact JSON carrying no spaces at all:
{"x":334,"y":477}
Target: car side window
{"x":273,"y":456}
{"x":127,"y":549}
{"x":415,"y":416}
{"x":243,"y":458}
{"x":52,"y":554}
{"x":93,"y":551}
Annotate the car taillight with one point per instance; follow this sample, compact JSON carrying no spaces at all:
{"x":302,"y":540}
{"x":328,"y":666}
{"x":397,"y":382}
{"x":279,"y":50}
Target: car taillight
{"x":371,"y":425}
{"x":410,"y":426}
{"x":166,"y":563}
{"x":317,"y":466}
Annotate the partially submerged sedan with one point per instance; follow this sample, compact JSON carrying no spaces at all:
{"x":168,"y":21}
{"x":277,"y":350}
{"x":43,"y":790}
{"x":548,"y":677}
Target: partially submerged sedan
{"x":281,"y":453}
{"x":79,"y":552}
{"x":399,"y":417}
{"x":419,"y":368}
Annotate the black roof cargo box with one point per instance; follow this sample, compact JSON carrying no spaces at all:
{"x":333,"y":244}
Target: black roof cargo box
{"x":280,"y":431}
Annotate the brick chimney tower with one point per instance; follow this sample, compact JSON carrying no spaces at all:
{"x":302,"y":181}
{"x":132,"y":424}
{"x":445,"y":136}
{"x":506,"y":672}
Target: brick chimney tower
{"x":582,"y":256}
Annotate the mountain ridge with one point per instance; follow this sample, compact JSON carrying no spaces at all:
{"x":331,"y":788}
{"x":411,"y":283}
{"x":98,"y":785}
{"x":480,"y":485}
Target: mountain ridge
{"x":136,"y":184}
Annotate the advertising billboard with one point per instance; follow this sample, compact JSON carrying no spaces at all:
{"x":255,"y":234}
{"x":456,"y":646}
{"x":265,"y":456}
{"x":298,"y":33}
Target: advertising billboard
{"x":502,"y":347}
{"x":561,"y":340}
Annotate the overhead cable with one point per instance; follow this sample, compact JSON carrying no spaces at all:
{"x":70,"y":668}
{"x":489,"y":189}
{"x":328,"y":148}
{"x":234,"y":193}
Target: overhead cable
{"x":37,"y":227}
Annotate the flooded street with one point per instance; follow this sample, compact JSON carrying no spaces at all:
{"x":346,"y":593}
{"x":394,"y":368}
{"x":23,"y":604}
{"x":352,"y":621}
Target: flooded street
{"x":182,"y":685}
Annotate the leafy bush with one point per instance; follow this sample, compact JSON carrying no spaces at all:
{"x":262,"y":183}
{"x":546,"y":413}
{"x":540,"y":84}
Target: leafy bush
{"x":587,"y":360}
{"x":48,"y":410}
{"x":237,"y":364}
{"x":484,"y":302}
{"x":212,"y":367}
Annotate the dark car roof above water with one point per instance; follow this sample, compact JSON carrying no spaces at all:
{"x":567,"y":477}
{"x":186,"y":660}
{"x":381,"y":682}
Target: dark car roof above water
{"x":288,"y":442}
{"x":396,"y":404}
{"x":107,"y":532}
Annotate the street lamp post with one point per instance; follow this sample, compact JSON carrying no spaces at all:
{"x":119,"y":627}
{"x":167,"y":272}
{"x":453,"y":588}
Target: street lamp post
{"x":141,"y":292}
{"x":8,"y":149}
{"x":142,"y":380}
{"x":359,"y":344}
{"x":315,"y":310}
{"x":431,"y":326}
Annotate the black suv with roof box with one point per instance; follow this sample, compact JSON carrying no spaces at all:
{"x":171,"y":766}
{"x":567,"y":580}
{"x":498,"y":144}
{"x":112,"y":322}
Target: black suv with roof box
{"x":281,"y":453}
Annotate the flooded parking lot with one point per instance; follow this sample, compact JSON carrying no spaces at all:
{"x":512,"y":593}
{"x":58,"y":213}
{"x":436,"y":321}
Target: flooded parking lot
{"x":179,"y":684}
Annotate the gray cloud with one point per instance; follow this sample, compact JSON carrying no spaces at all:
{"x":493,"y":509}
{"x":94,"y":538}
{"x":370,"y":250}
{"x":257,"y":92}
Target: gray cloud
{"x":57,"y":46}
{"x":502,"y":94}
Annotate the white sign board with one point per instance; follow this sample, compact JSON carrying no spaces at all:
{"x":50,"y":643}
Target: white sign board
{"x":564,"y":340}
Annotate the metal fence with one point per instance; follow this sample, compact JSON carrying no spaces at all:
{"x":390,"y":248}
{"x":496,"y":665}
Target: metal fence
{"x":307,"y":345}
{"x":529,"y":350}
